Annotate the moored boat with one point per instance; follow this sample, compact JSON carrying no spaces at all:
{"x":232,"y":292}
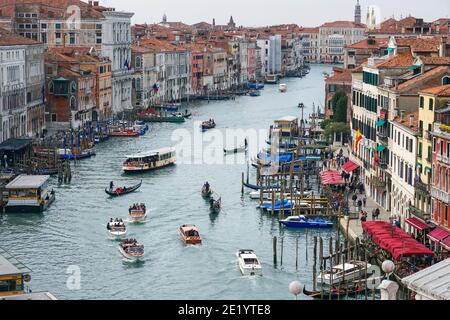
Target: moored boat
{"x":150,"y":160}
{"x":67,"y":154}
{"x":334,"y":293}
{"x":254,"y":93}
{"x":303,"y":222}
{"x":190,"y":234}
{"x":124,"y":133}
{"x":131,"y":249}
{"x":116,"y":228}
{"x":248,"y":263}
{"x":278,"y":206}
{"x":117,"y":192}
{"x":137,"y":212}
{"x":344,"y":272}
{"x":168,"y":118}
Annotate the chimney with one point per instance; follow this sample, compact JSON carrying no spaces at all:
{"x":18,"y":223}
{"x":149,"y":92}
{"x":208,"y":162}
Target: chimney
{"x":96,"y":3}
{"x":442,"y":46}
{"x":397,"y":112}
{"x":402,"y":115}
{"x":411,"y":120}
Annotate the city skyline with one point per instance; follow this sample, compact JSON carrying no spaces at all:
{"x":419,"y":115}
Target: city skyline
{"x":286,"y":11}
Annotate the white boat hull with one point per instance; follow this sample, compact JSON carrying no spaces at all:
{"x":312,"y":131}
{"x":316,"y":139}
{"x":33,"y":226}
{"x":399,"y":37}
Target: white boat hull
{"x":129,"y":256}
{"x":248,"y":269}
{"x":117,"y":235}
{"x":138,"y":219}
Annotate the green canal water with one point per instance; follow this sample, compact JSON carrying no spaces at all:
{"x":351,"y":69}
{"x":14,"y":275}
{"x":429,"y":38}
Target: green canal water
{"x":72,"y":232}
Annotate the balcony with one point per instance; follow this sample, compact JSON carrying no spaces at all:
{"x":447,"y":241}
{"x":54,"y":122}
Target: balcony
{"x":442,"y":130}
{"x":122,"y":72}
{"x":383,"y":164}
{"x":421,"y":188}
{"x":383,"y":137}
{"x":378,"y":183}
{"x":440,"y":195}
{"x":414,"y":211}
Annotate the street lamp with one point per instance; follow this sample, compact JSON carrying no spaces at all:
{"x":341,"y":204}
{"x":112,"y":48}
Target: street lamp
{"x":388,"y":267}
{"x":296,"y":288}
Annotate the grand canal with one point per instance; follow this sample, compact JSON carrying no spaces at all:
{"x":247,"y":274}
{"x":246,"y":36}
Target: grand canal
{"x":72,"y":232}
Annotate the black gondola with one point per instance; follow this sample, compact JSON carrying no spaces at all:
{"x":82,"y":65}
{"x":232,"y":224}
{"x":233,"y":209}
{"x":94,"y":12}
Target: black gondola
{"x":115,"y":193}
{"x":215,"y":205}
{"x":335,"y":293}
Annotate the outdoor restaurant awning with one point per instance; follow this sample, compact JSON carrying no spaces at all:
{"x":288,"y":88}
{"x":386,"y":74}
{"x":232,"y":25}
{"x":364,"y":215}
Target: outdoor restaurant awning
{"x":381,"y":148}
{"x":446,"y":243}
{"x":380,"y":123}
{"x":349,"y":166}
{"x":438,"y":234}
{"x":417,"y":224}
{"x":331,"y":177}
{"x":394,"y":240}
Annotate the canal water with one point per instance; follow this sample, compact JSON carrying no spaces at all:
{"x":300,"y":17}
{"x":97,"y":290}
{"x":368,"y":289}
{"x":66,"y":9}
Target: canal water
{"x":71,"y":235}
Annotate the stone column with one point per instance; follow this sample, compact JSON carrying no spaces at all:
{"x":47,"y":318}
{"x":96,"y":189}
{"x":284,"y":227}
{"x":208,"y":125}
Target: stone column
{"x":388,"y":290}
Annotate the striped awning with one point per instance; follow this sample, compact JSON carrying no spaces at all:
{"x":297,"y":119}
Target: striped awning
{"x":438,"y":234}
{"x":417,"y":224}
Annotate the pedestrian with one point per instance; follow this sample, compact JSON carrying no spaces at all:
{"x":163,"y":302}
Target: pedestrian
{"x":373,"y":214}
{"x":364,"y":201}
{"x":354,"y":198}
{"x":359,"y":205}
{"x":377,"y":213}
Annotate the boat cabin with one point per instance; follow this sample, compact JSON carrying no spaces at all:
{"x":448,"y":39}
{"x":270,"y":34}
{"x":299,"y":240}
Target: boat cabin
{"x":28,"y":193}
{"x":288,"y":126}
{"x":13,"y":275}
{"x":150,"y":160}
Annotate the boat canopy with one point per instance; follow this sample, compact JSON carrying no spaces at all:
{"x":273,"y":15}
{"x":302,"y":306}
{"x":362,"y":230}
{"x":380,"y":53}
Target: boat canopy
{"x":287,"y":119}
{"x":146,"y":154}
{"x":27,"y":182}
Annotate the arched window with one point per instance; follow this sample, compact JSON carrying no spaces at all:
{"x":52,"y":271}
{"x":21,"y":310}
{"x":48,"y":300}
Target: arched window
{"x":138,"y":62}
{"x":73,"y":87}
{"x":446,"y":180}
{"x":73,"y":103}
{"x":50,"y":87}
{"x":138,"y":84}
{"x":445,"y":80}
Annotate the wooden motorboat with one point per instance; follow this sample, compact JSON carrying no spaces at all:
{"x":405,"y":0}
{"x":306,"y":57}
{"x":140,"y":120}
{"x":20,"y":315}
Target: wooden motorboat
{"x":137,"y":213}
{"x":116,"y":229}
{"x":131,"y":249}
{"x":347,"y":272}
{"x":124,"y":133}
{"x":122,"y":191}
{"x":206,"y":125}
{"x":215,"y":205}
{"x":168,"y":118}
{"x":190,"y":234}
{"x":248,"y":263}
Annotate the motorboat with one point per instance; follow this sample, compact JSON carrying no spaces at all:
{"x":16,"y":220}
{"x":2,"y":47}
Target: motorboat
{"x":145,"y":161}
{"x":67,"y":154}
{"x":267,"y":194}
{"x":190,"y":234}
{"x":278,"y":206}
{"x":131,"y":250}
{"x":303,"y":222}
{"x":283,"y":87}
{"x":254,"y":93}
{"x":206,"y":125}
{"x":248,"y":263}
{"x":116,"y":229}
{"x":137,"y":213}
{"x":344,"y":272}
{"x":124,"y":133}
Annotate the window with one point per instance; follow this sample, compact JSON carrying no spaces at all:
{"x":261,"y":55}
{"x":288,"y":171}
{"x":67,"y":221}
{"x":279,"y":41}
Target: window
{"x":419,"y":153}
{"x":422,"y":102}
{"x":72,"y":38}
{"x":431,"y":104}
{"x":445,"y":80}
{"x":58,"y":35}
{"x":43,"y":26}
{"x":53,"y":117}
{"x":434,"y":145}
{"x":332,"y":88}
{"x":57,"y":26}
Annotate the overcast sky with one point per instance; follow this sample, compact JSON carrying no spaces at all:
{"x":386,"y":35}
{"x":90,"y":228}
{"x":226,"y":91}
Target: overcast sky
{"x":270,"y":12}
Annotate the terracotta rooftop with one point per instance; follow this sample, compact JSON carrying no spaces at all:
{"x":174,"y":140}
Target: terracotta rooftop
{"x":421,"y":79}
{"x":421,"y":44}
{"x":378,"y":43}
{"x":7,"y":39}
{"x":141,"y":49}
{"x":402,"y":59}
{"x":437,"y":61}
{"x":72,"y":55}
{"x":440,"y":91}
{"x":342,"y":24}
{"x":309,"y":30}
{"x":343,"y":75}
{"x":407,"y":120}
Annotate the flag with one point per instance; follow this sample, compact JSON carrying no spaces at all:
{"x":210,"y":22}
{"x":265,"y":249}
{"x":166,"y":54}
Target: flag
{"x":358,"y":139}
{"x":126,"y":65}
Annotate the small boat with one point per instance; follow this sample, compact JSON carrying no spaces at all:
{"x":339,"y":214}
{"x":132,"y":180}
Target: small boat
{"x":248,"y":263}
{"x":206,"y":190}
{"x":283,"y":87}
{"x":215,"y":205}
{"x":334,"y":292}
{"x":172,"y":107}
{"x":121,"y":191}
{"x":267,"y":194}
{"x":271,"y":79}
{"x":100,"y":138}
{"x":145,"y":161}
{"x":124,"y":133}
{"x":168,"y":118}
{"x":131,"y":249}
{"x":206,"y":125}
{"x":278,"y":206}
{"x":254,"y":93}
{"x":303,"y":222}
{"x":238,"y":149}
{"x":116,"y":229}
{"x":301,"y":105}
{"x":180,"y":114}
{"x":349,"y":271}
{"x":67,"y":154}
{"x":137,"y":213}
{"x":190,"y":234}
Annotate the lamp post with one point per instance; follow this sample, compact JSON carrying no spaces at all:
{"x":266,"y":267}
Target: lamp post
{"x":296,"y":288}
{"x":388,"y":267}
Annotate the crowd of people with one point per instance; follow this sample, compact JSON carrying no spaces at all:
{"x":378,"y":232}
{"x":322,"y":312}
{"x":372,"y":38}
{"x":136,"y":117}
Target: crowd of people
{"x":115,"y":223}
{"x":137,"y":207}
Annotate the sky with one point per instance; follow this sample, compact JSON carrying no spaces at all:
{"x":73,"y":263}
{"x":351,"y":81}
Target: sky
{"x":307,"y":13}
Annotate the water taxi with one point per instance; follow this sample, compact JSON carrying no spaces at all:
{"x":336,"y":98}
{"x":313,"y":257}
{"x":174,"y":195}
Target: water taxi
{"x":303,"y":222}
{"x":131,"y":249}
{"x":248,"y":263}
{"x":150,"y":160}
{"x":166,"y":118}
{"x":344,"y":272}
{"x":116,"y":229}
{"x":137,"y":213}
{"x":283,"y":87}
{"x":254,"y":93}
{"x":28,"y":194}
{"x":190,"y":234}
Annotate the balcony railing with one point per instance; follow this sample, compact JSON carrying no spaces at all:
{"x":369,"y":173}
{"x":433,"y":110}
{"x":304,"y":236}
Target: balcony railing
{"x":382,"y":136}
{"x":378,"y":183}
{"x":419,"y":213}
{"x":421,"y":187}
{"x":383,"y":164}
{"x":440,"y":195}
{"x":442,"y":130}
{"x":123,"y":72}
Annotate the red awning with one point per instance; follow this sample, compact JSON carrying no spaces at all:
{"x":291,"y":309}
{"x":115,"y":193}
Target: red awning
{"x":331,"y":177}
{"x":417,"y":224}
{"x":446,"y":243}
{"x":349,"y":166}
{"x":438,"y":234}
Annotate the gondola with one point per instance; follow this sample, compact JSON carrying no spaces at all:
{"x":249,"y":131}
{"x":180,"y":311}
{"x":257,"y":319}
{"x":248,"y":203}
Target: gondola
{"x":206,"y":191}
{"x":215,"y":205}
{"x":335,"y":293}
{"x":115,"y":193}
